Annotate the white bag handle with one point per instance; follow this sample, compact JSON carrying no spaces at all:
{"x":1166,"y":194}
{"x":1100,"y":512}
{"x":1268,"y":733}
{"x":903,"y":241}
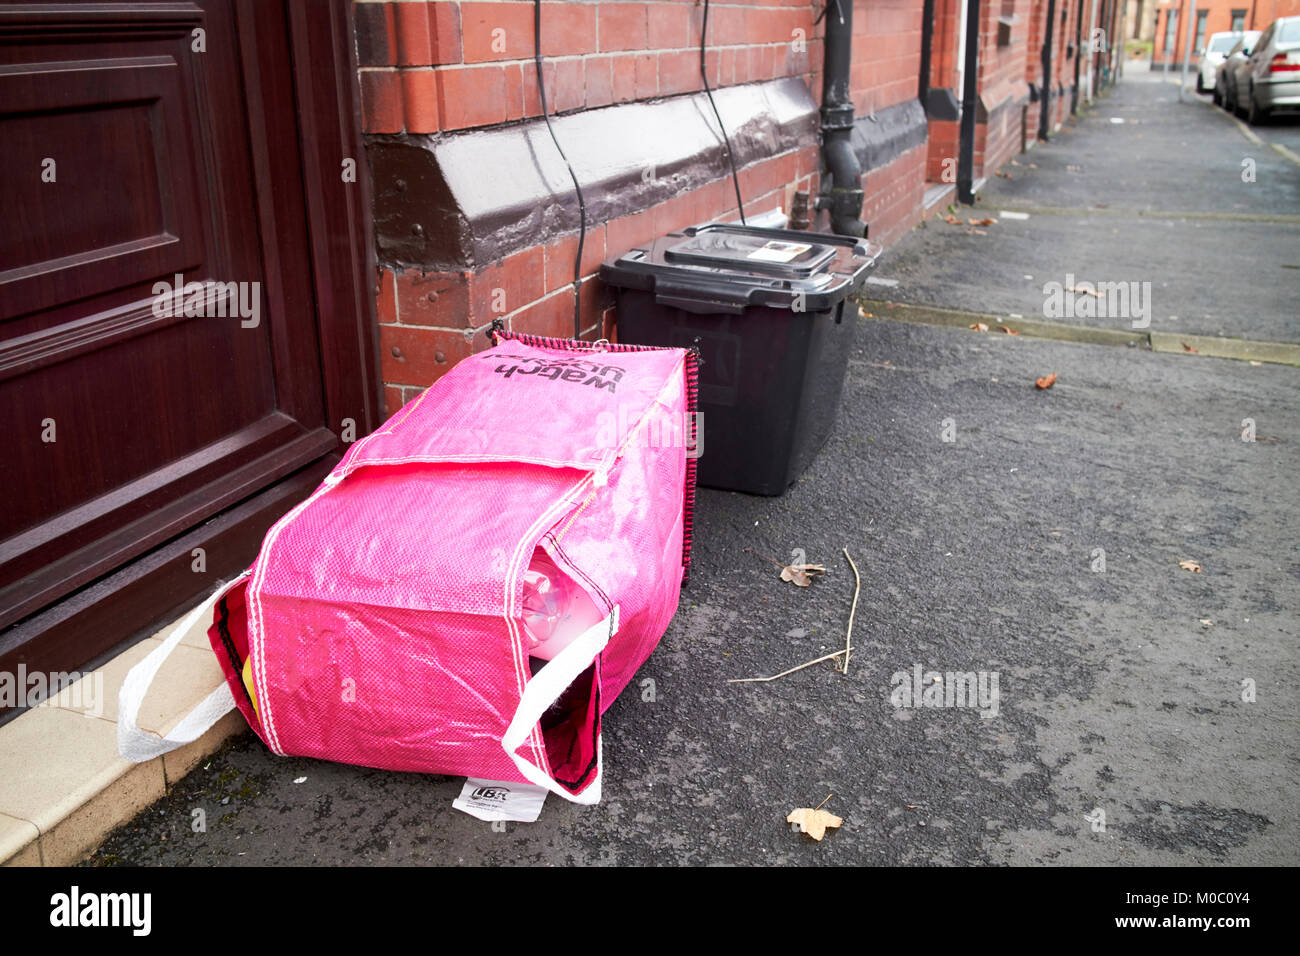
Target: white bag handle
{"x":139,"y":745}
{"x":545,"y":689}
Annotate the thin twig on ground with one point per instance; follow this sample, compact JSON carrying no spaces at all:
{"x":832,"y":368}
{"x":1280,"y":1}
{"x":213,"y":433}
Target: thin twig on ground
{"x":765,"y":556}
{"x":857,"y":589}
{"x":750,"y":680}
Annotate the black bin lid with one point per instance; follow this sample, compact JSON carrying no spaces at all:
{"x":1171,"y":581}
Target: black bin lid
{"x":740,"y":248}
{"x":723,"y":267}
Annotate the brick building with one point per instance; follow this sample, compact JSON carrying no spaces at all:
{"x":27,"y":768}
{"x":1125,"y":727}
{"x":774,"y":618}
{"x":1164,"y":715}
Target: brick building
{"x":1211,"y":16}
{"x":474,"y":211}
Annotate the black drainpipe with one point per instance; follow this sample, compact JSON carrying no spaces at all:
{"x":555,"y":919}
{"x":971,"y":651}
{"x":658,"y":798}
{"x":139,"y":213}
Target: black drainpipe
{"x":843,"y":196}
{"x":1078,"y":55}
{"x":927,"y":37}
{"x":969,"y":104}
{"x":1045,"y":110}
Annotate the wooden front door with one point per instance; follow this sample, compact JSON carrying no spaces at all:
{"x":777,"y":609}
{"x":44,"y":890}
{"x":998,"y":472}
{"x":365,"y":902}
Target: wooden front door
{"x":185,"y":318}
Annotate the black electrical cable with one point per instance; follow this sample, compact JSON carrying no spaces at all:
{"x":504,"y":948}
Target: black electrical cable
{"x":582,"y":207}
{"x":704,"y":75}
{"x":838,"y":12}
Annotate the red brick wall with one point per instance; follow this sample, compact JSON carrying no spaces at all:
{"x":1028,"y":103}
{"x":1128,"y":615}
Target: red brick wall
{"x":893,"y":196}
{"x":1002,"y":72}
{"x":942,"y":148}
{"x":430,"y":322}
{"x":1001,"y":83}
{"x":428,"y":67}
{"x":1034,"y":14}
{"x":886,"y":53}
{"x":886,"y":71}
{"x":433,"y":68}
{"x":1066,"y":44}
{"x":1063,"y":36}
{"x":1259,"y":14}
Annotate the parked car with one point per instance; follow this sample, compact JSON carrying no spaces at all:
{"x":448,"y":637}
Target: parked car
{"x":1269,"y":80}
{"x":1215,"y":52}
{"x":1225,"y":80}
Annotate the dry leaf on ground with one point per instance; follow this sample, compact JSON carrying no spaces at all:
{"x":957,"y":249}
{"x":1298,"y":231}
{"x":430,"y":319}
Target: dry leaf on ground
{"x":1190,"y":566}
{"x":979,"y":326}
{"x":813,"y":822}
{"x":802,"y":574}
{"x":1188,"y":348}
{"x":952,"y":219}
{"x":1008,"y":331}
{"x":1047,"y":381}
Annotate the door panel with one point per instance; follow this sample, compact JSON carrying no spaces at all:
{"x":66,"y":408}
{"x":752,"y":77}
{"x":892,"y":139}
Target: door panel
{"x":161,"y":337}
{"x":82,"y":124}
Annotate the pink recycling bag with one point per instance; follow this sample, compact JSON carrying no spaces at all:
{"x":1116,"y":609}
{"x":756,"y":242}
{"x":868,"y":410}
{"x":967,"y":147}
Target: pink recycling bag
{"x":383,"y":614}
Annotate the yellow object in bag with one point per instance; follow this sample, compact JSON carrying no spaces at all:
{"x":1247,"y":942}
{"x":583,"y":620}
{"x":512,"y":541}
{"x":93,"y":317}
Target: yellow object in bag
{"x":248,"y":684}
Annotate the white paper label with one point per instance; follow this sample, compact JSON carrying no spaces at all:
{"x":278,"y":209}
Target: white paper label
{"x":777,"y":251}
{"x":501,"y":800}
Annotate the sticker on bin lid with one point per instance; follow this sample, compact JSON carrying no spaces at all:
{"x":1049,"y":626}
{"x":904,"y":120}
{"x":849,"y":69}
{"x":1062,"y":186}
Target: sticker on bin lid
{"x":737,"y":250}
{"x":501,"y":800}
{"x":777,"y":251}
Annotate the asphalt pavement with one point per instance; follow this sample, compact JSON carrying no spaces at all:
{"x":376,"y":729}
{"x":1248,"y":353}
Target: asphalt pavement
{"x":1108,"y":553}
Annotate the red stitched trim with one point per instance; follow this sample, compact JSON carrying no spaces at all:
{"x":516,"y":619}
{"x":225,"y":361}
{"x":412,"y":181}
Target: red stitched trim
{"x":688,"y":504}
{"x":571,"y":345}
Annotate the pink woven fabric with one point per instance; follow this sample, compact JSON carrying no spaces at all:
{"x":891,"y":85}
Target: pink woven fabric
{"x":383,"y":614}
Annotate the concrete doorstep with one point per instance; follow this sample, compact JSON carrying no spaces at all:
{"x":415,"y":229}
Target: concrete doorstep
{"x":63,"y":786}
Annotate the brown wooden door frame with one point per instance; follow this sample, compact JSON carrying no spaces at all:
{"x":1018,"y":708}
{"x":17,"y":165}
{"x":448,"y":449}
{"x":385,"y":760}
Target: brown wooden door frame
{"x":115,"y":610}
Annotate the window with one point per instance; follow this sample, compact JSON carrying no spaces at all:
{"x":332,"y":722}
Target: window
{"x":1171,"y":30}
{"x":1200,"y":29}
{"x":1238,"y":20}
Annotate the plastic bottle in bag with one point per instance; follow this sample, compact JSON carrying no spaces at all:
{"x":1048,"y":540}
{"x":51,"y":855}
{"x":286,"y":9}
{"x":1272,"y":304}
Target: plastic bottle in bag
{"x":556,"y":610}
